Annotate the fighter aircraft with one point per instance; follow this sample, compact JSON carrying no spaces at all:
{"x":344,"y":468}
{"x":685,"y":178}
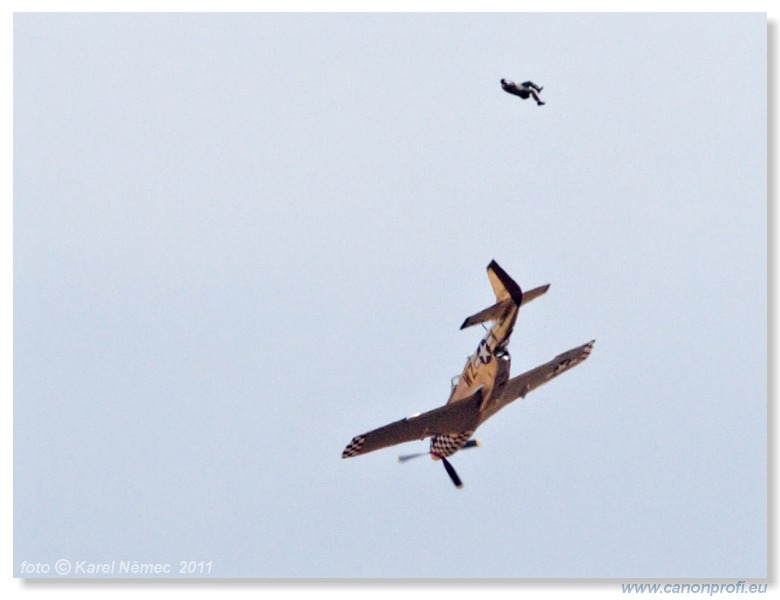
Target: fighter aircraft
{"x":482,"y":389}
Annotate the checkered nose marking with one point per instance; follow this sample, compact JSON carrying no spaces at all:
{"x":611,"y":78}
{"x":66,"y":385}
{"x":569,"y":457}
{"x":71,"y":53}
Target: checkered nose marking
{"x":444,"y":445}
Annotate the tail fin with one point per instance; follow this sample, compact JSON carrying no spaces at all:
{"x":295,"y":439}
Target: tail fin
{"x":508,"y":294}
{"x":503,"y":285}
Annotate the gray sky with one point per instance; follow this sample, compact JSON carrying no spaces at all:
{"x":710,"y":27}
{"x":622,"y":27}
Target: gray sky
{"x":240,"y":240}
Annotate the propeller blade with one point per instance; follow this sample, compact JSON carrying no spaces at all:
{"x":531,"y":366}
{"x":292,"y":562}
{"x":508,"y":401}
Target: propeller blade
{"x":472,"y":444}
{"x":451,"y":472}
{"x":405,"y":457}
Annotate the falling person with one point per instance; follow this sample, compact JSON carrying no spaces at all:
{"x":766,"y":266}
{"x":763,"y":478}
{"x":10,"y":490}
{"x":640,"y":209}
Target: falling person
{"x":524,"y":90}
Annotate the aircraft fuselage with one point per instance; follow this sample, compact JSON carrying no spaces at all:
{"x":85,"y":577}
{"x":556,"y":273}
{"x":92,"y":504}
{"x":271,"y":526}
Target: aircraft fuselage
{"x":488,"y":366}
{"x":483,"y":387}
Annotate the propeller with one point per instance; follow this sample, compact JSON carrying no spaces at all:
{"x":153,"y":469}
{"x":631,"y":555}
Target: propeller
{"x":452,"y":473}
{"x":405,"y":457}
{"x":449,"y":468}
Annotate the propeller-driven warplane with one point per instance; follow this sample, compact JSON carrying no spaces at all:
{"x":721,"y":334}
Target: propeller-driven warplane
{"x":482,"y":389}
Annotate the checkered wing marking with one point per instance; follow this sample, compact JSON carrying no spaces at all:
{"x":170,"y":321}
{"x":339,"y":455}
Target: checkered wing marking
{"x":455,"y":417}
{"x":354,"y":447}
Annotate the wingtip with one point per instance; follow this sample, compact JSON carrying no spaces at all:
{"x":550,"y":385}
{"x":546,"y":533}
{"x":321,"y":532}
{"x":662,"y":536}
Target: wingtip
{"x":587,"y":349}
{"x":354,"y":447}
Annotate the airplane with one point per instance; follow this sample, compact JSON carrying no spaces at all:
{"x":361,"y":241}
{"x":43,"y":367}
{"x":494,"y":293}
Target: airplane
{"x":482,"y":389}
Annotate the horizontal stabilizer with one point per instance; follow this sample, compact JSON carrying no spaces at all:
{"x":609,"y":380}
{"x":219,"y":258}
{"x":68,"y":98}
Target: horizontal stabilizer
{"x":497,"y":311}
{"x":534,"y":293}
{"x":491,"y":313}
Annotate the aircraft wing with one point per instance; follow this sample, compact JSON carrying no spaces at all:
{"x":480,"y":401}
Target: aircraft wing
{"x":456,"y":417}
{"x":519,"y":386}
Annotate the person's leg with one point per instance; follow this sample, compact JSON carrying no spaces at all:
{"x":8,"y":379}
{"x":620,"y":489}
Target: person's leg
{"x":539,"y":102}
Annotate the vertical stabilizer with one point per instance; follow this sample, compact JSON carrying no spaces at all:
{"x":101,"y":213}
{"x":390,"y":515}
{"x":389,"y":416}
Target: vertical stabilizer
{"x":503,"y":285}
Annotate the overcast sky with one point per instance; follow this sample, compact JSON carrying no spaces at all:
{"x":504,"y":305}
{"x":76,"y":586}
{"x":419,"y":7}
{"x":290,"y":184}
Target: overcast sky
{"x":240,"y":240}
